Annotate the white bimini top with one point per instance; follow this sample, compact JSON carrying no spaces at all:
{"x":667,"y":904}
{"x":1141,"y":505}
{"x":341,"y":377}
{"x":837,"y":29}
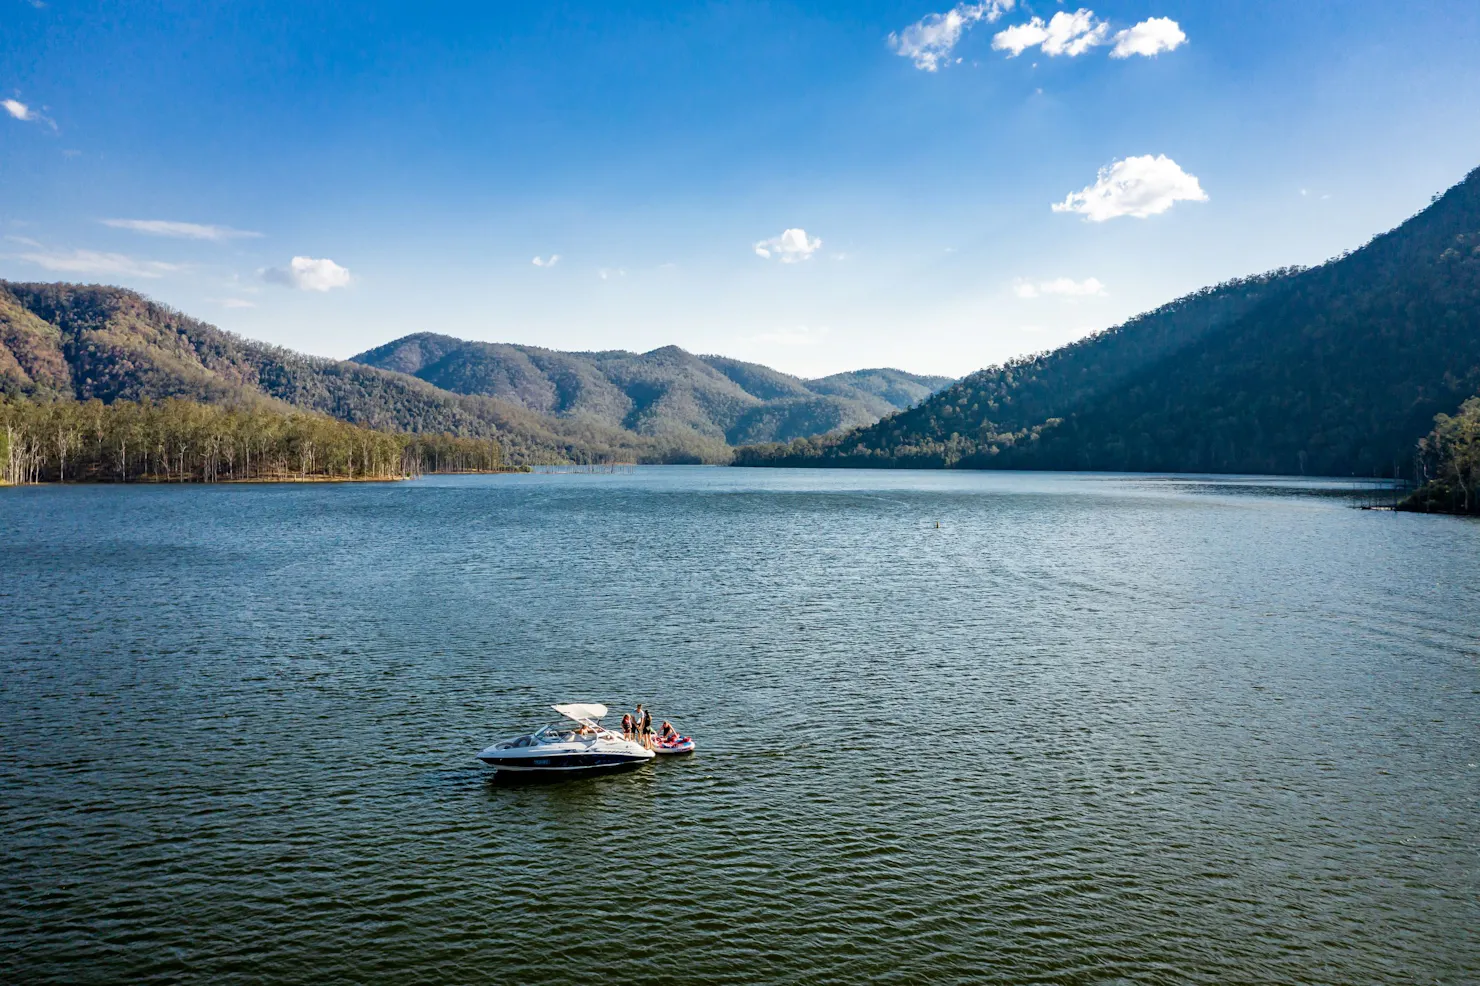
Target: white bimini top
{"x":581,"y":711}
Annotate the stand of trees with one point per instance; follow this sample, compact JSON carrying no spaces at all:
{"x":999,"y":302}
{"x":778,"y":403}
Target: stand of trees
{"x":188,"y":442}
{"x":1449,"y":464}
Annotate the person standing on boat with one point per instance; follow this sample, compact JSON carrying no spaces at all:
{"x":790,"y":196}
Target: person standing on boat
{"x":637,"y":723}
{"x":647,"y":730}
{"x":627,"y":726}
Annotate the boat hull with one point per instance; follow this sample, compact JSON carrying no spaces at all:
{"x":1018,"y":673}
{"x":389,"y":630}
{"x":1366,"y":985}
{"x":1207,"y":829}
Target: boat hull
{"x":566,"y":763}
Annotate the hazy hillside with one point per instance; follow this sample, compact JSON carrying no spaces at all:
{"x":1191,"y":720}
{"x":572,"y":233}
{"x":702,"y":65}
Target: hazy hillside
{"x":1339,"y":369}
{"x":665,"y":392}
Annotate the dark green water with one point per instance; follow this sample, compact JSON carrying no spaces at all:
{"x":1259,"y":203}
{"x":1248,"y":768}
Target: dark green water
{"x":1090,"y":730}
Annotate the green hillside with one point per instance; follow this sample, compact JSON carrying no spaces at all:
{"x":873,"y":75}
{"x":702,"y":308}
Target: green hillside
{"x":1334,"y":370}
{"x":67,"y":341}
{"x":666,"y":392}
{"x":86,"y":341}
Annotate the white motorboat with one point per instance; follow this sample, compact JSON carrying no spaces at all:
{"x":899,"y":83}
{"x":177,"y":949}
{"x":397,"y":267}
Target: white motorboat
{"x":563,"y":748}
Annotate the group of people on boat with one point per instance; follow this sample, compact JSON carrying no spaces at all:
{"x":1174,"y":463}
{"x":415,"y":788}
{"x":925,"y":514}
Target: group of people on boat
{"x":638,"y":726}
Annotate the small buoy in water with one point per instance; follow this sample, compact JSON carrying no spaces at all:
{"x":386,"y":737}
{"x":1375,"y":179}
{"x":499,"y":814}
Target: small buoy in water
{"x":937,"y":525}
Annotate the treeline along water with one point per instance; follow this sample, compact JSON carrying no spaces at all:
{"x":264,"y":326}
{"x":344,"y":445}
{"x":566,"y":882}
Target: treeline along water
{"x":181,"y":441}
{"x":1089,"y":730}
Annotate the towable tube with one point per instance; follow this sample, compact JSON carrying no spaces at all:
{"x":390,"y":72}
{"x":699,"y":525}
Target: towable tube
{"x":683,"y":744}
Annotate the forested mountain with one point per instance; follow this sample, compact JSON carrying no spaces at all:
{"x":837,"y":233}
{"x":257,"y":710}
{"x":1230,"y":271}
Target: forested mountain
{"x":64,"y":341}
{"x":85,"y":341}
{"x":1334,"y":370}
{"x":667,"y":391}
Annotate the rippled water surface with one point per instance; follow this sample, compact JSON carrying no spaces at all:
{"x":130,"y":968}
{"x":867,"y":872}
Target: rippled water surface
{"x":1087,"y":730}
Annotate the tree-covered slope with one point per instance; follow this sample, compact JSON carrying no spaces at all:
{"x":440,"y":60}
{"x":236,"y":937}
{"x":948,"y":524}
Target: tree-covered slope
{"x":885,"y":389}
{"x":666,"y":392}
{"x":1338,"y":369}
{"x":88,"y":341}
{"x":76,"y":341}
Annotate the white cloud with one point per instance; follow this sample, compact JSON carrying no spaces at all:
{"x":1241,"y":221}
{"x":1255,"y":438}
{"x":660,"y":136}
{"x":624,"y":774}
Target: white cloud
{"x":1137,"y":186}
{"x":237,"y":303}
{"x":549,"y":261}
{"x":1156,"y":34}
{"x":1064,"y":34}
{"x":309,"y":274}
{"x":20,"y":111}
{"x":1020,"y":37}
{"x":94,"y":262}
{"x":1065,"y":287}
{"x":607,"y":273}
{"x":928,"y":41}
{"x":182,"y":231}
{"x":791,"y":246}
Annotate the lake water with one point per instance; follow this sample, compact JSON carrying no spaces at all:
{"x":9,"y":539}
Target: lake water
{"x":1087,"y":730}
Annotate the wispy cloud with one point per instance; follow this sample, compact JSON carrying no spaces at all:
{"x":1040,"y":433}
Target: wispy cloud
{"x":181,"y":231}
{"x":1063,"y":34}
{"x":95,"y":262}
{"x":549,"y":261}
{"x":929,"y":41}
{"x":1065,"y":287}
{"x":607,"y":273}
{"x":1150,"y":37}
{"x":27,"y":114}
{"x":1137,"y":186}
{"x":792,"y":246}
{"x":237,"y":303}
{"x":309,"y":274}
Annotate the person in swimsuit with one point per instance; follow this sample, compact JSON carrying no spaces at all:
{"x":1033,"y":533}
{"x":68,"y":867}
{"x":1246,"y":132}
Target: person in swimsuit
{"x":647,"y":730}
{"x":627,"y":726}
{"x":669,"y":734}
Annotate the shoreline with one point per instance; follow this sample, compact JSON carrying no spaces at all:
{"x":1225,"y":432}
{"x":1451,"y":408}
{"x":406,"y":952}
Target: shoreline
{"x":267,"y":480}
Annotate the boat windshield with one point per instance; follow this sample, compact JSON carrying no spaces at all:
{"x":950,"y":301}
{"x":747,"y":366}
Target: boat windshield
{"x":565,"y":733}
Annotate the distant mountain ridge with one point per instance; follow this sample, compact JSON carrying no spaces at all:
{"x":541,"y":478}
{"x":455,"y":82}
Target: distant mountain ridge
{"x":70,"y":341}
{"x":1334,"y":370}
{"x":666,"y":391}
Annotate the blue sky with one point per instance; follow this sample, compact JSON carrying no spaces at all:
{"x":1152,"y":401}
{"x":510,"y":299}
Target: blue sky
{"x":416,"y":159}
